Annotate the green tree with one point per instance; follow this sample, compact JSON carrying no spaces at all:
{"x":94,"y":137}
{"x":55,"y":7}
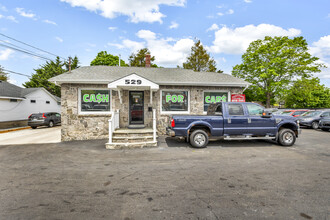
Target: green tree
{"x":138,"y":59}
{"x":105,"y":59}
{"x":308,"y":93}
{"x":3,"y":75}
{"x":47,"y":71}
{"x":199,"y":60}
{"x":272,"y":64}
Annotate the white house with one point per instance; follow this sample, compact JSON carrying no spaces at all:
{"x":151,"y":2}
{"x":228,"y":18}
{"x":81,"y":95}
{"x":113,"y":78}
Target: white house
{"x":16,"y":104}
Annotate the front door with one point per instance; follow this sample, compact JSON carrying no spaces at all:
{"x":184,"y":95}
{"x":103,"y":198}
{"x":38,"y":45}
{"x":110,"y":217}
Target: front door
{"x":136,"y":108}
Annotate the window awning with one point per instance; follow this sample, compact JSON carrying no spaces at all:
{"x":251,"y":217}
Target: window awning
{"x":133,"y":81}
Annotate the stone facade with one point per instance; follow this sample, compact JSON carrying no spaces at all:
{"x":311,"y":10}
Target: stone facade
{"x":95,"y":126}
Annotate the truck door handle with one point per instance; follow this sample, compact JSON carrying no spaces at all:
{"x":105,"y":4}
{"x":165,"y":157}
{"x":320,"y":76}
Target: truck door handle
{"x":229,"y":120}
{"x":249,"y":120}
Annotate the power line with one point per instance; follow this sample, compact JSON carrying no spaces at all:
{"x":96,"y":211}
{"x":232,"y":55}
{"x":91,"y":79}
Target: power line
{"x":14,"y":45}
{"x":23,"y":51}
{"x":31,"y":46}
{"x":9,"y":71}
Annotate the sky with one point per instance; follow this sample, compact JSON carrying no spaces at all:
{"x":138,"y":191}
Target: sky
{"x":168,"y":28}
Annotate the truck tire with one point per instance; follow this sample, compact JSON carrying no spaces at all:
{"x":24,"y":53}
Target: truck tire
{"x":315,"y":125}
{"x":286,"y":137}
{"x":199,"y":139}
{"x":33,"y":127}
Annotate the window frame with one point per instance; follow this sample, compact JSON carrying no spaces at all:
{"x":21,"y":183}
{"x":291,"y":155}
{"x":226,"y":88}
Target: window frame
{"x":224,"y":91}
{"x":93,"y":112}
{"x":173,"y":112}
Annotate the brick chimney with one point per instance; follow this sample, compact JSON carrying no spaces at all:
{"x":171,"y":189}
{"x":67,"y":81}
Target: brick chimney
{"x":148,"y":56}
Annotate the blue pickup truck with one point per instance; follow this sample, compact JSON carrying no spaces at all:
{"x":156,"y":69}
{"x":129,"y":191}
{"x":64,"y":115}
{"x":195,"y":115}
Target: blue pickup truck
{"x":235,"y":121}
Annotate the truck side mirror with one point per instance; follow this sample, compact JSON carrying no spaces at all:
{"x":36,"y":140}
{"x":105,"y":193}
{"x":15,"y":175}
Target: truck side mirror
{"x":266,"y":114}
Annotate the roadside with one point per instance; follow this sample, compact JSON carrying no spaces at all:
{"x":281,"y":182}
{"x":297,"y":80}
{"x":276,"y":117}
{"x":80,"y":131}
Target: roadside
{"x":31,"y":136}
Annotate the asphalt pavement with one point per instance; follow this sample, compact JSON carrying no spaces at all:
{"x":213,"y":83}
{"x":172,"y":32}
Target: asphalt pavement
{"x":227,"y":180}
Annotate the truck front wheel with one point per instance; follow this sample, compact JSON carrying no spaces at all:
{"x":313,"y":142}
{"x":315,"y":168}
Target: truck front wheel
{"x":199,"y":138}
{"x":286,"y":137}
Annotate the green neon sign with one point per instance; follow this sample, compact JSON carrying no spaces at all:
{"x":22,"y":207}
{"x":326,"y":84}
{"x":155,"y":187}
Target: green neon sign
{"x":175,"y":98}
{"x":96,"y":98}
{"x":215,"y":99}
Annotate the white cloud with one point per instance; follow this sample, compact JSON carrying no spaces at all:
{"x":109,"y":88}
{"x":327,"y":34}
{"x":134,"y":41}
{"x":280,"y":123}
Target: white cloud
{"x":49,"y":22}
{"x":3,"y":8}
{"x":220,"y":14}
{"x":12,"y":81}
{"x":4,"y":54}
{"x":22,"y":12}
{"x":230,"y":11}
{"x":321,"y":49}
{"x":167,"y":51}
{"x":248,"y":1}
{"x":237,"y":40}
{"x":11,"y":18}
{"x":174,"y":25}
{"x":59,"y":39}
{"x":214,"y":27}
{"x":146,"y":34}
{"x":112,"y":28}
{"x":136,"y":10}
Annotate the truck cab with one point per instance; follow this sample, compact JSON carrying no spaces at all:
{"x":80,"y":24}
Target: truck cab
{"x":235,"y":121}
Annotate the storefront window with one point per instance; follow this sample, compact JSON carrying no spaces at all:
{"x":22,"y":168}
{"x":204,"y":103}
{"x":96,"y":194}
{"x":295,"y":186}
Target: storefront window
{"x":214,"y":97}
{"x":175,"y":101}
{"x":94,"y":100}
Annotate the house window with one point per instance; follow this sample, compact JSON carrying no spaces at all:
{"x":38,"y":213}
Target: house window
{"x":13,"y":100}
{"x":47,"y":102}
{"x":175,"y":101}
{"x":33,"y":101}
{"x":214,"y":97}
{"x":94,"y":101}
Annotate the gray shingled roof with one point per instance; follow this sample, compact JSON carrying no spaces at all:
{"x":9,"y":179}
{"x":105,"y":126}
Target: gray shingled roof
{"x":161,"y":76}
{"x":10,"y":90}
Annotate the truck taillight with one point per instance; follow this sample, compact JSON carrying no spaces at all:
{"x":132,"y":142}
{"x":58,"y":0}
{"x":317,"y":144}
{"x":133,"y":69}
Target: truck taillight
{"x":43,"y":115}
{"x":172,"y":123}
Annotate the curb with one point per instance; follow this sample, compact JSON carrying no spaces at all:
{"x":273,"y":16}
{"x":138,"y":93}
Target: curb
{"x":13,"y":129}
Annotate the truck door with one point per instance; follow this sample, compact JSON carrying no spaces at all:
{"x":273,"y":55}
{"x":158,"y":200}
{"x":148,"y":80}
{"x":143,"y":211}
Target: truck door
{"x":257,"y":125}
{"x":235,"y":121}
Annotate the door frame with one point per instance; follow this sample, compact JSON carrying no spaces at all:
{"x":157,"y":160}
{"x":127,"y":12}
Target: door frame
{"x":129,"y":108}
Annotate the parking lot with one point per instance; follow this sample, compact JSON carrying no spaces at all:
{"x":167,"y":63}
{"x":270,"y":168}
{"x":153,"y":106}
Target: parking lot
{"x":227,"y":180}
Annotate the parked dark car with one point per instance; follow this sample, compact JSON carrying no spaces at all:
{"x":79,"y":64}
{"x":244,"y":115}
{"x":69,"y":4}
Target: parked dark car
{"x":311,"y":119}
{"x":324,"y":124}
{"x":44,"y":119}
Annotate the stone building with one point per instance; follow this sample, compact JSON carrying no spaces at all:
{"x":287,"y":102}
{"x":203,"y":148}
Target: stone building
{"x":91,"y":94}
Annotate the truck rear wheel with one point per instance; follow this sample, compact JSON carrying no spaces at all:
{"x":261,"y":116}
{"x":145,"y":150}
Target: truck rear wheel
{"x":199,"y":138}
{"x":286,"y":137}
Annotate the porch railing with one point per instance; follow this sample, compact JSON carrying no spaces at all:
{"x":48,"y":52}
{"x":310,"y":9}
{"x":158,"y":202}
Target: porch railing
{"x":154,"y":126}
{"x":113,"y":124}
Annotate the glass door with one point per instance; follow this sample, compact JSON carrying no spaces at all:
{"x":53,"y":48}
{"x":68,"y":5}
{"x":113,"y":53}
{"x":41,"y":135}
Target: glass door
{"x":136,"y":107}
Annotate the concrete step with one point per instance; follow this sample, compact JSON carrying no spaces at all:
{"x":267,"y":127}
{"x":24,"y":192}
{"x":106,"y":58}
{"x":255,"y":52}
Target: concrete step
{"x":114,"y":146}
{"x":133,"y":139}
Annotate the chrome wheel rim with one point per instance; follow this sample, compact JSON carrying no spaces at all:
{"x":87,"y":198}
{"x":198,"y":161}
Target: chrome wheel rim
{"x":287,"y":138}
{"x":199,"y":139}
